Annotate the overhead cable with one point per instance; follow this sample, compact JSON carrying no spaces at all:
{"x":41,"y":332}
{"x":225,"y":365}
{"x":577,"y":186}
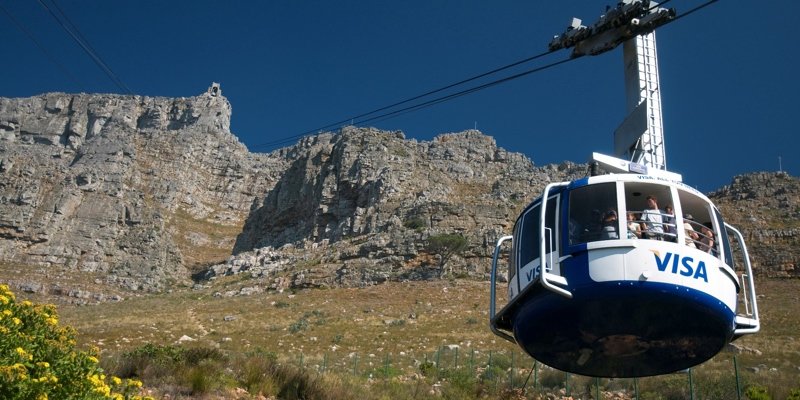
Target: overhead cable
{"x":431,"y":92}
{"x":75,"y":34}
{"x":442,"y":99}
{"x":36,"y":42}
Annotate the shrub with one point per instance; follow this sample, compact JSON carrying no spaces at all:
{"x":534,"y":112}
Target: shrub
{"x":204,"y":377}
{"x":150,"y":362}
{"x":299,"y":325}
{"x":428,"y":368}
{"x":281,"y":304}
{"x":38,"y":358}
{"x":415,"y":223}
{"x":255,"y":373}
{"x":756,"y":392}
{"x":446,"y":246}
{"x":337,"y":338}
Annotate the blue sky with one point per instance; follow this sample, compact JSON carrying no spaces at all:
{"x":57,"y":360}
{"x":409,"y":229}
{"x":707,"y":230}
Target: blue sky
{"x":729,"y":86}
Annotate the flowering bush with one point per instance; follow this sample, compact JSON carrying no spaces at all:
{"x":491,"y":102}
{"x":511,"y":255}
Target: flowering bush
{"x":38,"y":359}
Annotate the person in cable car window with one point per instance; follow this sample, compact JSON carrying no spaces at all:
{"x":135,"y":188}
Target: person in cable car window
{"x":609,"y":228}
{"x":634,"y":230}
{"x":707,"y":240}
{"x":593,"y":227}
{"x":652,"y":222}
{"x":670,"y":231}
{"x":691,"y":234}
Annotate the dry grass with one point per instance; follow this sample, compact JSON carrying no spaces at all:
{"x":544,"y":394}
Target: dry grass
{"x":412,"y":318}
{"x":202,"y":242}
{"x":395,"y":327}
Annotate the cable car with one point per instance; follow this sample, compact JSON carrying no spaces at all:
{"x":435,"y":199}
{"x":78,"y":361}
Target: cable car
{"x":629,"y":273}
{"x":598,"y":287}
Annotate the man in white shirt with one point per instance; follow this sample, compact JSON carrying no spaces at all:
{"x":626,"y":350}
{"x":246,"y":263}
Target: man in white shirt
{"x":652,"y":222}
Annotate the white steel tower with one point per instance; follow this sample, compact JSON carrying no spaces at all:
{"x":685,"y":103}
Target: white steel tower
{"x":640,"y":138}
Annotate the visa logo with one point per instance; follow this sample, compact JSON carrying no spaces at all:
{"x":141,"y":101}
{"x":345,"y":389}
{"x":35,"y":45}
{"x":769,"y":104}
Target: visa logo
{"x":685,"y":266}
{"x":533,"y":273}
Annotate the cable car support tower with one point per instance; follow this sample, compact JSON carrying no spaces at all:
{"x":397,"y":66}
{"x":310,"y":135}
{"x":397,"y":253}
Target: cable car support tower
{"x":640,"y":138}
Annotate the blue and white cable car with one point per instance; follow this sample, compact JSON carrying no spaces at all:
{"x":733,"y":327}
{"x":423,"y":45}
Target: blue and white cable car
{"x":601,"y":295}
{"x":630,"y":273}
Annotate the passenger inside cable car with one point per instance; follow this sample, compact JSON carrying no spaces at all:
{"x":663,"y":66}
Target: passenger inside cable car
{"x":594,"y":209}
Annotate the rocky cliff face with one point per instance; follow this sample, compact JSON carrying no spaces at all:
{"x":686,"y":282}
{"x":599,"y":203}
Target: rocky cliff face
{"x":118,"y":185}
{"x":360,"y":206}
{"x":145,"y":193}
{"x":765,"y":207}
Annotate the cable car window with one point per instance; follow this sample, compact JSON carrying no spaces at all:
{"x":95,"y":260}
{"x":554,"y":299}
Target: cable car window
{"x":512,"y":261}
{"x":529,"y":236}
{"x":698,"y":227}
{"x":724,"y":241}
{"x":593,"y":213}
{"x":550,"y":222}
{"x":651,"y":206}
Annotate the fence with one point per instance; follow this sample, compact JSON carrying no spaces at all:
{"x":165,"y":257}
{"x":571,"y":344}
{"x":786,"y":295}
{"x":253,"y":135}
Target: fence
{"x":511,"y":370}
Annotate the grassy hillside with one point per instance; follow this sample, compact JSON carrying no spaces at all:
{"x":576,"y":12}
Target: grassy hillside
{"x":397,"y":330}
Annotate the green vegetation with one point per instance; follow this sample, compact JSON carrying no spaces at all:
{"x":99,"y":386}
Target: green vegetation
{"x":416,"y":223}
{"x":757,"y":392}
{"x":38,"y":358}
{"x":446,"y":246}
{"x":353,"y":345}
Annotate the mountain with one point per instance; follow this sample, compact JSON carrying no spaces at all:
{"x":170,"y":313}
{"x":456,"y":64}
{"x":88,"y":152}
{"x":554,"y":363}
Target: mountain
{"x":150,"y":193}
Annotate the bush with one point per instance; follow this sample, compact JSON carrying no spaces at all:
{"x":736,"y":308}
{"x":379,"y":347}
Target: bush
{"x":446,"y":246}
{"x":255,"y":373}
{"x":756,"y":392}
{"x":415,"y":223}
{"x":38,"y":358}
{"x":299,"y":325}
{"x":428,"y":368}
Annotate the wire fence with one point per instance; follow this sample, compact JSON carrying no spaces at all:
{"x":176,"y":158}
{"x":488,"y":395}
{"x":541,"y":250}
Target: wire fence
{"x":499,"y":371}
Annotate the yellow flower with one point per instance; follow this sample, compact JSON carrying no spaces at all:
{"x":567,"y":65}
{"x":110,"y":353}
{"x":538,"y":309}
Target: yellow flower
{"x":22,"y":353}
{"x":16,"y":321}
{"x":7,"y":312}
{"x":104,"y":390}
{"x":42,"y":396}
{"x":6,"y":293}
{"x":134,"y":383}
{"x":43,"y":364}
{"x":4,"y":300}
{"x":94,"y":360}
{"x":116,"y":380}
{"x":51,"y":321}
{"x":27,"y":303}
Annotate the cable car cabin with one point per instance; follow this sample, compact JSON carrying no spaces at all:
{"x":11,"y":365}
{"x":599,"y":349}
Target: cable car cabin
{"x":603,"y":281}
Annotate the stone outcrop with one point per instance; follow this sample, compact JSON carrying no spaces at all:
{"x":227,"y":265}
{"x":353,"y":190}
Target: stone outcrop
{"x":147,"y":193}
{"x":765,"y":207}
{"x":360,"y":206}
{"x":118,"y":184}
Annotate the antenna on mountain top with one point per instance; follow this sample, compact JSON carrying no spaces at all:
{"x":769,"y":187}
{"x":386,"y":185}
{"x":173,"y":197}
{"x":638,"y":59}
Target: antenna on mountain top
{"x":214,"y":90}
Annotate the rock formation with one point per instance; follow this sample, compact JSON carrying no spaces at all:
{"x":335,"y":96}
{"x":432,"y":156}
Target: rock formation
{"x":122,"y":186}
{"x":765,"y":207}
{"x":144,"y":193}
